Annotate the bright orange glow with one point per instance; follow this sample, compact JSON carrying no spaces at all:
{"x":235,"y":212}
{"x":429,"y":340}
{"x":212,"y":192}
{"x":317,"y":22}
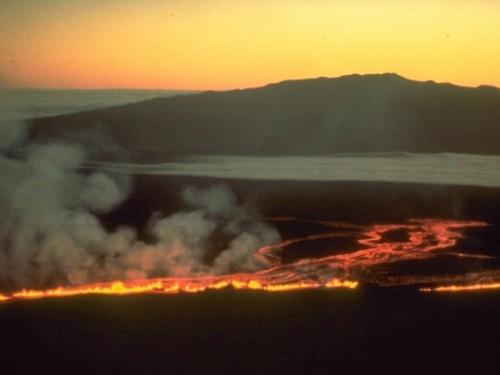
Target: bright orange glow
{"x":336,"y":283}
{"x":226,"y":44}
{"x":462,"y":288}
{"x":425,"y":239}
{"x":172,"y":286}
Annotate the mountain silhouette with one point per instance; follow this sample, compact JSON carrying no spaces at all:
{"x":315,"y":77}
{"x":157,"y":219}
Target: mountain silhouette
{"x":355,"y":113}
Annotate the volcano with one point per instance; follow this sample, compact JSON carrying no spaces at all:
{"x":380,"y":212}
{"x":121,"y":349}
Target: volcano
{"x":356,"y":113}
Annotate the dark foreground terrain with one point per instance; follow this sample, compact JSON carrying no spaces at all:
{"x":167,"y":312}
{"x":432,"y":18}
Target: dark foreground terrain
{"x":391,"y":330}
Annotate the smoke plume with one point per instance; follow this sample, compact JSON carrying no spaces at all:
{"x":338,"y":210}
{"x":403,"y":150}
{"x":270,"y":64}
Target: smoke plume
{"x":50,"y":233}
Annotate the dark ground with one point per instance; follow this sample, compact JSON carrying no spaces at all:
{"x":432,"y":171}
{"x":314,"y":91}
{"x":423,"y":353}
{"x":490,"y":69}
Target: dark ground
{"x":369,"y":330}
{"x":390,"y":331}
{"x":352,"y":202}
{"x":355,"y":202}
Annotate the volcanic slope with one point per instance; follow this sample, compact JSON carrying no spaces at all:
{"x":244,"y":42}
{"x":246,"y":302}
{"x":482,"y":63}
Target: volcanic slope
{"x":356,"y":113}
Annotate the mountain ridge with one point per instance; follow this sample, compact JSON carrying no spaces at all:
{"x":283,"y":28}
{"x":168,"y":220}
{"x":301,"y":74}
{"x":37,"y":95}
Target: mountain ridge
{"x":355,"y":113}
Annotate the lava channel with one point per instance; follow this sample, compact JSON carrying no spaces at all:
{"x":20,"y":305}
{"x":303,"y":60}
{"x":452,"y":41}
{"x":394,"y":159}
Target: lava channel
{"x":425,"y":239}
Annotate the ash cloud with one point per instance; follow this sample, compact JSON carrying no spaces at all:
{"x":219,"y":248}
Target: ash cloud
{"x":50,"y":233}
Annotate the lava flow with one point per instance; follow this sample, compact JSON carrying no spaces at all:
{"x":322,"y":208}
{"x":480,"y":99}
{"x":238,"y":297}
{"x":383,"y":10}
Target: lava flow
{"x":462,"y":288}
{"x":424,"y":239}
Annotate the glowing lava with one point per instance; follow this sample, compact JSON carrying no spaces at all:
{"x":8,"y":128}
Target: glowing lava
{"x":423,"y":239}
{"x":172,"y":286}
{"x":462,"y":288}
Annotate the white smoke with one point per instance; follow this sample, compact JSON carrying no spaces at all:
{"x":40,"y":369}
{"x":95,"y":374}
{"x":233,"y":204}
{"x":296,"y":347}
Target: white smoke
{"x":184,"y":238}
{"x":50,"y":234}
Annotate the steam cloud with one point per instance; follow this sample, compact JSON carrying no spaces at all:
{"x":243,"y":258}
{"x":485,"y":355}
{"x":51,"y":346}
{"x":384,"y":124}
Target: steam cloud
{"x":50,"y":234}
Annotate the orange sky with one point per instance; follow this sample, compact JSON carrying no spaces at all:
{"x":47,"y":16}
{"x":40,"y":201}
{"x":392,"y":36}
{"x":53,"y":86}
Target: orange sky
{"x":219,"y":44}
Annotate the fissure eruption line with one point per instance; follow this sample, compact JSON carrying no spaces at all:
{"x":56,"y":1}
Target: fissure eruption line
{"x":425,"y":239}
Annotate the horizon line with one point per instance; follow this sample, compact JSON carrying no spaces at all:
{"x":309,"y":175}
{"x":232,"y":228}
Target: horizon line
{"x":21,"y":88}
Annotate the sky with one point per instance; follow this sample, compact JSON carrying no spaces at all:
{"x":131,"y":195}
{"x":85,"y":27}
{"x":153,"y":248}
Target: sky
{"x":222,"y":44}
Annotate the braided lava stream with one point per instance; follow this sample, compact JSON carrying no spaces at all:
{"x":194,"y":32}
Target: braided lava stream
{"x":424,"y":239}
